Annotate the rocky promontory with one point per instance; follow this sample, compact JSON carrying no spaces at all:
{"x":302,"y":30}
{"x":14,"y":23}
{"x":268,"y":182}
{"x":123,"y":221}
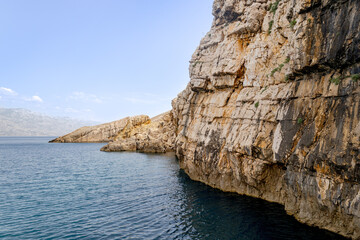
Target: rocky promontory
{"x":273,"y":107}
{"x":138,"y":133}
{"x":156,"y":136}
{"x":104,"y":132}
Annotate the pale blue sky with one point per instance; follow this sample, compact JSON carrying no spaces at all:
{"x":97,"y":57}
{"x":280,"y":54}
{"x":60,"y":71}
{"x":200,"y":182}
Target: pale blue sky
{"x":98,"y":59}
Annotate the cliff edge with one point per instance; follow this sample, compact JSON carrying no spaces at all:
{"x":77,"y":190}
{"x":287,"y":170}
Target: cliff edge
{"x":104,"y":132}
{"x":138,"y":133}
{"x":272,"y":109}
{"x":156,"y":136}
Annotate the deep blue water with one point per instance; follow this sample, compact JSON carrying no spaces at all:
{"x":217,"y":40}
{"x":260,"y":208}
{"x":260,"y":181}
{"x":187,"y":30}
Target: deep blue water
{"x":74,"y":191}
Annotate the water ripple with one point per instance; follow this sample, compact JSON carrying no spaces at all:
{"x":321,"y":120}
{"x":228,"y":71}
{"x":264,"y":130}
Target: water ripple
{"x":74,"y":191}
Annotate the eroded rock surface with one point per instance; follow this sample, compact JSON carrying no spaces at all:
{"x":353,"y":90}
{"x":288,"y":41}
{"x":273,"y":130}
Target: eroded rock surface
{"x":273,"y":108}
{"x":155,"y":136}
{"x":105,"y":132}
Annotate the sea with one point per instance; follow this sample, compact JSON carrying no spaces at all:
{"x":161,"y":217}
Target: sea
{"x":75,"y":191}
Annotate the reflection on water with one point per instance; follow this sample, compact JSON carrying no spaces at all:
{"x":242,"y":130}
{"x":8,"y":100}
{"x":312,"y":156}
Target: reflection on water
{"x":213,"y":214}
{"x":74,"y":191}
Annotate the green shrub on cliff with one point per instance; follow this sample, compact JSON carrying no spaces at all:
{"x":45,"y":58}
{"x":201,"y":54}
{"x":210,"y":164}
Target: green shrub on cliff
{"x":263,"y":90}
{"x":281,"y":66}
{"x":270,"y":26}
{"x":293,"y":23}
{"x":274,"y":7}
{"x":336,"y":81}
{"x":287,"y":77}
{"x":355,"y":77}
{"x":274,"y":71}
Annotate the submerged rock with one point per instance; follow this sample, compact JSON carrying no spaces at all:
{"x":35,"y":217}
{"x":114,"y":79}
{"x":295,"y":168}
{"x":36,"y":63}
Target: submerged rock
{"x":273,"y":108}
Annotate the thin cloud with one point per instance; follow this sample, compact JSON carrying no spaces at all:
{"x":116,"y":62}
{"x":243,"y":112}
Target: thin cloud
{"x":34,"y":99}
{"x":7,"y":91}
{"x":85,"y":97}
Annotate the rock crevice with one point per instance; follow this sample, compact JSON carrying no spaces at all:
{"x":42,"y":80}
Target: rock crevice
{"x":104,"y":132}
{"x":138,"y":133}
{"x":273,"y":108}
{"x":156,"y":136}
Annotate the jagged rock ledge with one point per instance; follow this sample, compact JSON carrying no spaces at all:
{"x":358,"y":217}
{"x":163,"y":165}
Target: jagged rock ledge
{"x":104,"y":132}
{"x":138,"y":133}
{"x":156,"y":136}
{"x":273,"y":107}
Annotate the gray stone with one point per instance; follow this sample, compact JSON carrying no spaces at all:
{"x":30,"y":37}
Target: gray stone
{"x":261,"y":117}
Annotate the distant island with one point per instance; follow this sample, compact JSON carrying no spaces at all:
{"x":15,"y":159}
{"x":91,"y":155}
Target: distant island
{"x":23,"y":122}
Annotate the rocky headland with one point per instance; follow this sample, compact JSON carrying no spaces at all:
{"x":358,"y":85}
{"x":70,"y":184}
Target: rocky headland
{"x":138,"y":133}
{"x":155,"y":136}
{"x":104,"y":132}
{"x":272,"y":109}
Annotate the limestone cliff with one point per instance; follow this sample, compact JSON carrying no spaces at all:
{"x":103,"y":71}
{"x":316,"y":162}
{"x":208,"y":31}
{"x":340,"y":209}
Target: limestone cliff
{"x":273,"y":108}
{"x":105,"y":132}
{"x":155,"y":136}
{"x":139,"y":133}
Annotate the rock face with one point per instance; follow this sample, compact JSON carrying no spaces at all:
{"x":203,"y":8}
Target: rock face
{"x":273,"y":107}
{"x":154,"y":136}
{"x":105,"y":132}
{"x":139,"y":133}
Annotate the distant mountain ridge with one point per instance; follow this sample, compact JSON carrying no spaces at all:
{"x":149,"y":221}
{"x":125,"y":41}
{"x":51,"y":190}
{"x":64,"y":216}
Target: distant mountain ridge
{"x":23,"y":122}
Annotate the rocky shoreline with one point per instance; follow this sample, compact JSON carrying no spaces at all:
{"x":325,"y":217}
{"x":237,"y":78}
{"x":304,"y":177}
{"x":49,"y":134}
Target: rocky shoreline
{"x":139,"y":133}
{"x":272,"y":110}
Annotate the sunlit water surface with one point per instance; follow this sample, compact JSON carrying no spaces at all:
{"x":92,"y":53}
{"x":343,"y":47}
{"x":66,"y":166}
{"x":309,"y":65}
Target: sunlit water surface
{"x":74,"y":191}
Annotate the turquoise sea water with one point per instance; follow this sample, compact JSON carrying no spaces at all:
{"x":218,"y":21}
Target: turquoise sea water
{"x":74,"y":191}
